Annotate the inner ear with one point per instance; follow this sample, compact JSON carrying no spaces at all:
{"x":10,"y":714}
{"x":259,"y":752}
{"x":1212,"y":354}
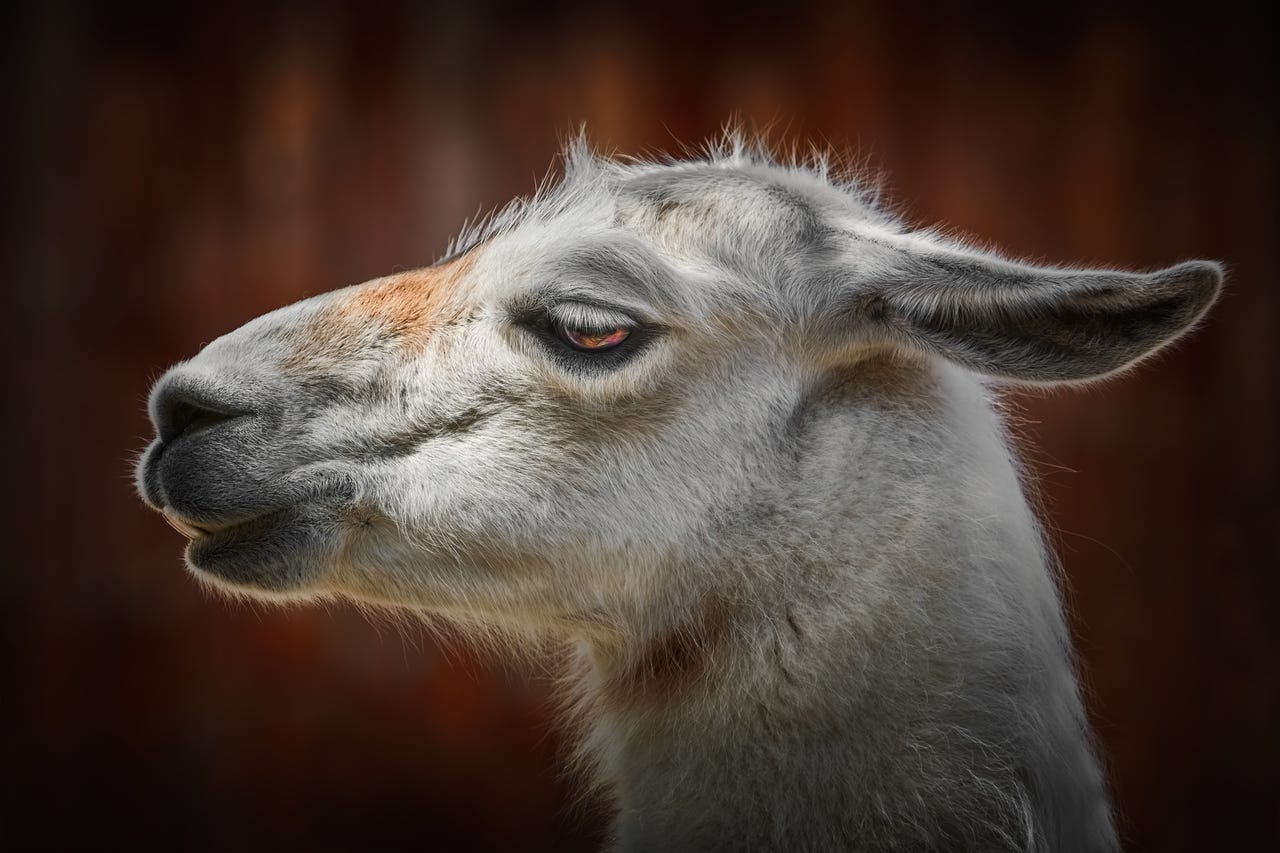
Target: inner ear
{"x":1035,"y":324}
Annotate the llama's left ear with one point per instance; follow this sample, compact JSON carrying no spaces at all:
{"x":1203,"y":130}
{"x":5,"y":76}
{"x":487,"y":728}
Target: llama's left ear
{"x":1028,"y":323}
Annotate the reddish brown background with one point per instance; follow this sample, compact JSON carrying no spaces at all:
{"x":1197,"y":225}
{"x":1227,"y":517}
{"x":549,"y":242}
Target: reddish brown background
{"x":169,"y":175}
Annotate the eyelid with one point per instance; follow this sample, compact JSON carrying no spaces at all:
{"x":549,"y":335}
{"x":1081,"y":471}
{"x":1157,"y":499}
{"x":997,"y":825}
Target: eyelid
{"x":579,"y":315}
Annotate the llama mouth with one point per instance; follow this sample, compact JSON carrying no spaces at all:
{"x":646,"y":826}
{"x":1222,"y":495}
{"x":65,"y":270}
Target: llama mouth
{"x":189,"y":529}
{"x":270,"y":543}
{"x":197,"y":532}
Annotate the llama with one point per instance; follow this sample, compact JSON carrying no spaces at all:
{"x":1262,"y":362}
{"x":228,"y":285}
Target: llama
{"x":728,"y":428}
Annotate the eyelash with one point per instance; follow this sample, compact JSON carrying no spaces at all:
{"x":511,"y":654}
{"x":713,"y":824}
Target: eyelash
{"x":590,"y":339}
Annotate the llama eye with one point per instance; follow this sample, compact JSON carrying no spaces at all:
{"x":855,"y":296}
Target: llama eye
{"x":592,"y":340}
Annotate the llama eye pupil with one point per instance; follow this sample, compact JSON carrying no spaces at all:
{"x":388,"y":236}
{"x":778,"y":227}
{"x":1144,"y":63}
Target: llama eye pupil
{"x":591,"y":340}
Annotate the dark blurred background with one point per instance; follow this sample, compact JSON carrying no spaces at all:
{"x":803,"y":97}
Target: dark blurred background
{"x":169,"y":174}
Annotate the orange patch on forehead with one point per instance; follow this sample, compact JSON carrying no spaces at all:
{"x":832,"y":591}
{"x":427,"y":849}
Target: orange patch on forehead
{"x":411,"y":303}
{"x":403,"y":308}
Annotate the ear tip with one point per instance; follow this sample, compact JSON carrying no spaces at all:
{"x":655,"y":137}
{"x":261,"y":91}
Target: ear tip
{"x":1204,"y":269}
{"x":1201,"y":280}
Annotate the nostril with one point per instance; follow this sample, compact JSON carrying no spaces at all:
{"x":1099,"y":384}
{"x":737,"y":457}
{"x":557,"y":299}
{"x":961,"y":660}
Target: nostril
{"x":179,"y":411}
{"x":185,"y":416}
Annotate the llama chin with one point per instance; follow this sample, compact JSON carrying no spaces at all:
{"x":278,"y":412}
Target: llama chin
{"x":729,"y":428}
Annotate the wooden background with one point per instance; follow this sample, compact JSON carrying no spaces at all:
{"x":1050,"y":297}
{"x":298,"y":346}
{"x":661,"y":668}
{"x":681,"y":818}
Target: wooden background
{"x":169,"y":175}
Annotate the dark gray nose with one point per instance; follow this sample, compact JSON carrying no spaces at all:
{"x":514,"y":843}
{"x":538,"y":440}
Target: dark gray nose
{"x":184,"y":408}
{"x":209,"y":430}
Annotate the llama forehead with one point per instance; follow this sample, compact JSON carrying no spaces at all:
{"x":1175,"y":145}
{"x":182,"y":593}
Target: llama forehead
{"x":770,"y":195}
{"x":798,"y":204}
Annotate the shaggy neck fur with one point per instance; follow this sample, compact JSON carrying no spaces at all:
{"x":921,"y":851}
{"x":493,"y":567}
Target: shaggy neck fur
{"x":890,"y":669}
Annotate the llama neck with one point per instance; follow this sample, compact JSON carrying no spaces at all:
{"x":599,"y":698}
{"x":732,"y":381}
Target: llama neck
{"x":882,"y":660}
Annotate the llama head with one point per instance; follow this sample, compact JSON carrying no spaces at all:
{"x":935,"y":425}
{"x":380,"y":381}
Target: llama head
{"x":539,"y":427}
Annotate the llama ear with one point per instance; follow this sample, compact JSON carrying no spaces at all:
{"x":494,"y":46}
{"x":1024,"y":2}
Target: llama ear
{"x":1033,"y":324}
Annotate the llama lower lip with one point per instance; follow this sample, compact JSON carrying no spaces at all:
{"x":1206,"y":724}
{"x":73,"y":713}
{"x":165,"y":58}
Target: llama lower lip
{"x":281,"y":550}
